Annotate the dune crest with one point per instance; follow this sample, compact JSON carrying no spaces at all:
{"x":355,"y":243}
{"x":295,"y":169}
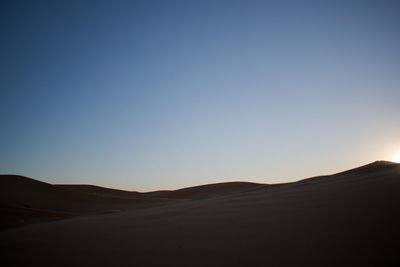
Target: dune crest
{"x":345,"y":219}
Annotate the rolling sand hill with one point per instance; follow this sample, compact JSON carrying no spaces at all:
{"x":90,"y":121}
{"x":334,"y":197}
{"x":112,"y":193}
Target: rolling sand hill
{"x":24,"y":200}
{"x":346,"y":219}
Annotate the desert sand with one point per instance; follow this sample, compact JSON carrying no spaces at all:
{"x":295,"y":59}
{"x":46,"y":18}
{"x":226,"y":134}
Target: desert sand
{"x":350,"y":218}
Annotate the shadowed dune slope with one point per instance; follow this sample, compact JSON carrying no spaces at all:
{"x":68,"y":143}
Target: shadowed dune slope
{"x":346,"y":219}
{"x":206,"y":191}
{"x":24,"y":200}
{"x":194,"y":192}
{"x":99,"y":191}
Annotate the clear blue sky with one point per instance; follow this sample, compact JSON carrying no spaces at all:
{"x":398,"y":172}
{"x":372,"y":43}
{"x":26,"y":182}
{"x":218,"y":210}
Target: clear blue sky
{"x":147,"y":95}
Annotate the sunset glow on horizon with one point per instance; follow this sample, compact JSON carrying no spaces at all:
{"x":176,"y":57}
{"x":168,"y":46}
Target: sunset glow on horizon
{"x":396,"y":157}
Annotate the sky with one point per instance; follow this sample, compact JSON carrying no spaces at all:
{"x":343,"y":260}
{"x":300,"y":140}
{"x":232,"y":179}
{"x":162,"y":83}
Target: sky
{"x":148,"y":95}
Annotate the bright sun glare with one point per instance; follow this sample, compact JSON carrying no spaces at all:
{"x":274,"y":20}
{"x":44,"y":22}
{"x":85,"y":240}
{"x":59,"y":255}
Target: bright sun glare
{"x":396,"y":157}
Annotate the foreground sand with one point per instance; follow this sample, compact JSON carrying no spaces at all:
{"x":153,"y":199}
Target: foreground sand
{"x":348,"y":219}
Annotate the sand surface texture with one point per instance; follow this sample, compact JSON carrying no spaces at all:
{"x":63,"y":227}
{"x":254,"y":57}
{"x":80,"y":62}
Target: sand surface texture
{"x":346,"y":219}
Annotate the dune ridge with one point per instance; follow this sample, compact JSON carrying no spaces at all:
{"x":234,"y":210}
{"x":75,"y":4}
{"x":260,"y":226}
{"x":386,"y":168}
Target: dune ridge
{"x":346,"y":219}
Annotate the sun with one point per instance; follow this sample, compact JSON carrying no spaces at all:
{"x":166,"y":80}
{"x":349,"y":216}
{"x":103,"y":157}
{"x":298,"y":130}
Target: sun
{"x":396,"y":157}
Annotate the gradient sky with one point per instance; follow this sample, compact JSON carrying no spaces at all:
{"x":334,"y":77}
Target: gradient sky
{"x":146,"y":95}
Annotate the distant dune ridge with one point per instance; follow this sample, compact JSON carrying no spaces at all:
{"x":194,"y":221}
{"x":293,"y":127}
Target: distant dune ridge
{"x":347,"y":219}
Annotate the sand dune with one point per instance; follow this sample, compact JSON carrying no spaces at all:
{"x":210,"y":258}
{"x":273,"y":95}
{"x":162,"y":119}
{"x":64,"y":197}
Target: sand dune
{"x":347,"y":219}
{"x":100,"y":191}
{"x":206,"y":191}
{"x":24,"y":200}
